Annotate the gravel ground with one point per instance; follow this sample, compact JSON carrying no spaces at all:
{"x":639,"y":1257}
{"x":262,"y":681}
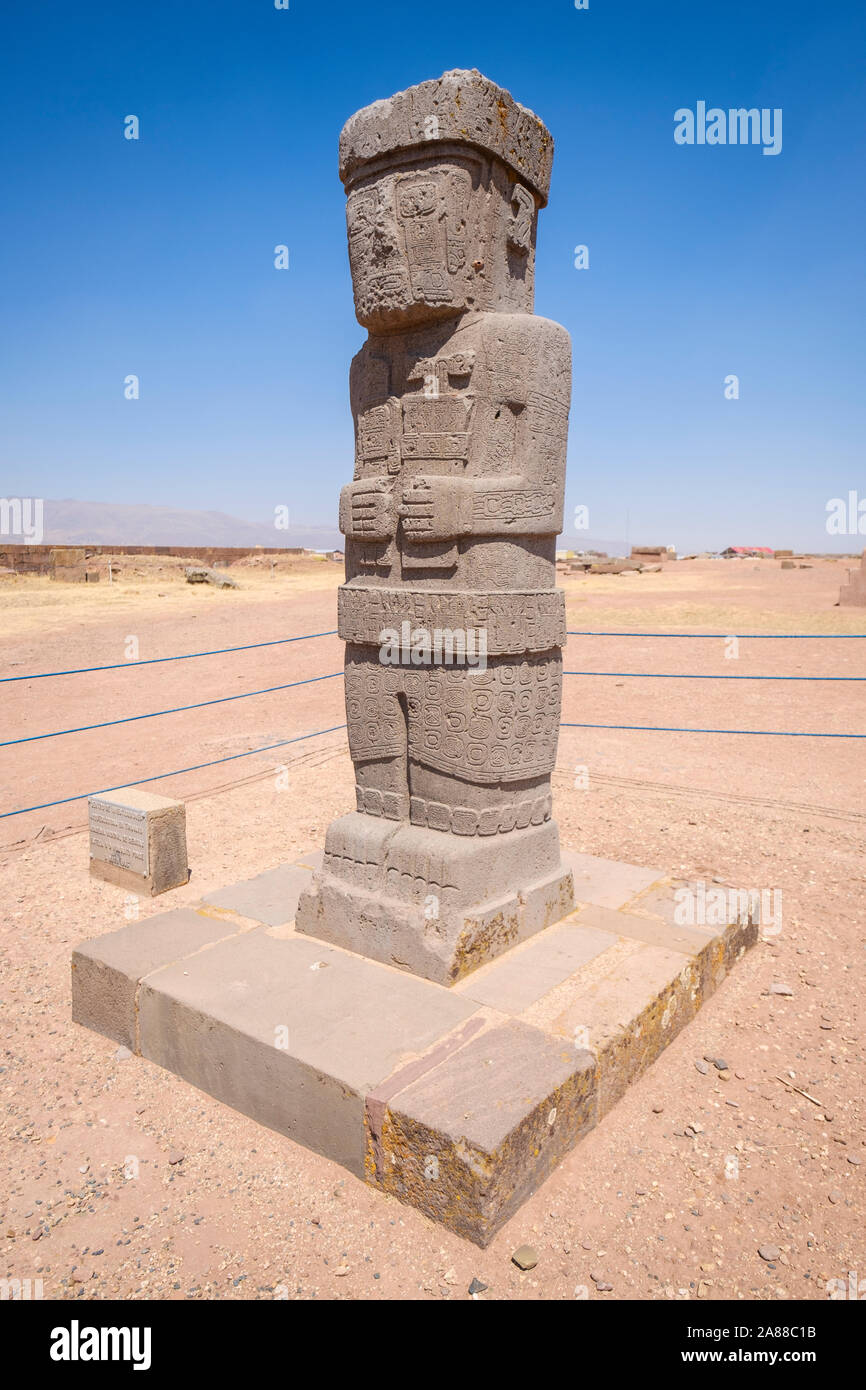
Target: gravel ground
{"x":119,"y":1180}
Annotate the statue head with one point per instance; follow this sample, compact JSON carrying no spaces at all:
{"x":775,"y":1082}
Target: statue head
{"x":443,"y":183}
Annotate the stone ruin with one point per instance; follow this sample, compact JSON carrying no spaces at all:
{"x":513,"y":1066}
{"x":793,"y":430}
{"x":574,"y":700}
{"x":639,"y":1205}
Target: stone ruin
{"x":853,"y":593}
{"x":453,"y":625}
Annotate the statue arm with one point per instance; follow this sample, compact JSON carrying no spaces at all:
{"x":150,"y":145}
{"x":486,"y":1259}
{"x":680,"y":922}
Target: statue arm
{"x":367,"y":510}
{"x":437,"y":509}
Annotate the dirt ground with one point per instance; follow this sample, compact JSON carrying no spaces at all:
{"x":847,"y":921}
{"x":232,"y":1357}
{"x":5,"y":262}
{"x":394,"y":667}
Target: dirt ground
{"x":119,"y":1180}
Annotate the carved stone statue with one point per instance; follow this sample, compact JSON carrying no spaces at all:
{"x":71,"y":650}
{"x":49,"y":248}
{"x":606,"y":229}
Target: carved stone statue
{"x":452,"y":622}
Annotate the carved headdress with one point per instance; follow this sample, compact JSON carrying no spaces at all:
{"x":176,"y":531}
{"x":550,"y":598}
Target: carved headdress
{"x":460,"y":107}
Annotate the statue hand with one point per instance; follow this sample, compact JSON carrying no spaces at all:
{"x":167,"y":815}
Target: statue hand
{"x":366,"y":510}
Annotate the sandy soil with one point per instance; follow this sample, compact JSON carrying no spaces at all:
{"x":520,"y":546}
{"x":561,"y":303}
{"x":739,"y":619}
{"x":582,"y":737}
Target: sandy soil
{"x":641,"y":1204}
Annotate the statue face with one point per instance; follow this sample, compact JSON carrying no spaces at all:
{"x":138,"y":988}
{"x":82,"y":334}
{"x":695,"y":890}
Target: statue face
{"x":412,"y":245}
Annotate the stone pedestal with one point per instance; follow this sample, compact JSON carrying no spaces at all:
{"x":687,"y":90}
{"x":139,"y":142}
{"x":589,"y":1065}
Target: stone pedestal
{"x":457,"y":1100}
{"x":432,"y":904}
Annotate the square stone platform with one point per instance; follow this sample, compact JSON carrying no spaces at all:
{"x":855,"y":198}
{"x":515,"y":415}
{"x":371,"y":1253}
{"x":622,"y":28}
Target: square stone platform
{"x":458,"y":1101}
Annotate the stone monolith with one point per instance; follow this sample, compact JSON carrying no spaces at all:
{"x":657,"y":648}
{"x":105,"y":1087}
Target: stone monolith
{"x":452,"y":622}
{"x":853,"y":593}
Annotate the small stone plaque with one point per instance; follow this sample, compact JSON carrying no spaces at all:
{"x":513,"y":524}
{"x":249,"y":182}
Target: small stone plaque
{"x":138,"y":840}
{"x":118,"y":834}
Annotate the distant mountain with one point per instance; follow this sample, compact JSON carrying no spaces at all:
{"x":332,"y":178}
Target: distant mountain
{"x":70,"y":522}
{"x":579,"y":540}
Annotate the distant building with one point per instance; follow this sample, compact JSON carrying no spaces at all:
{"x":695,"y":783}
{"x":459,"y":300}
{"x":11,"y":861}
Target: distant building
{"x":761,"y":552}
{"x":652,"y":553}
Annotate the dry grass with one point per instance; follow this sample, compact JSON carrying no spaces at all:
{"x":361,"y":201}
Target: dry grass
{"x":33,"y":604}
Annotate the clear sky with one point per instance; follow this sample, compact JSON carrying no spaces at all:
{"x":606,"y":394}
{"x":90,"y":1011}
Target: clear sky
{"x":155,"y":257}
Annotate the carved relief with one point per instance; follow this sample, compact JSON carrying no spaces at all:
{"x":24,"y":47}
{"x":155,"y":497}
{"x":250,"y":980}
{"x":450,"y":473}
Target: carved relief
{"x":520,"y":224}
{"x":460,"y":399}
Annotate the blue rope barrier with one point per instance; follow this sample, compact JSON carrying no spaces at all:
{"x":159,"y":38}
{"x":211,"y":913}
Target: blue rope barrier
{"x":231,"y":757}
{"x":180,"y":709}
{"x":309,"y":636}
{"x":155,"y":660}
{"x":763,"y":636}
{"x":333,"y":675}
{"x":677,"y":676}
{"x":755,"y":733}
{"x":266,"y":748}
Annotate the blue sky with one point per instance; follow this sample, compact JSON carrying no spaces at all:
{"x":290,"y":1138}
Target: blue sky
{"x":155,"y":256}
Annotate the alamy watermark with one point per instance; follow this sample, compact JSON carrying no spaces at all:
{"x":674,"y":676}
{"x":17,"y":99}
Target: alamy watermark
{"x":421,"y":646}
{"x":844,"y":1289}
{"x":21,"y":1290}
{"x":698,"y":905}
{"x":846,"y":516}
{"x":77,"y":1343}
{"x":736,"y":126}
{"x":23,"y":517}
